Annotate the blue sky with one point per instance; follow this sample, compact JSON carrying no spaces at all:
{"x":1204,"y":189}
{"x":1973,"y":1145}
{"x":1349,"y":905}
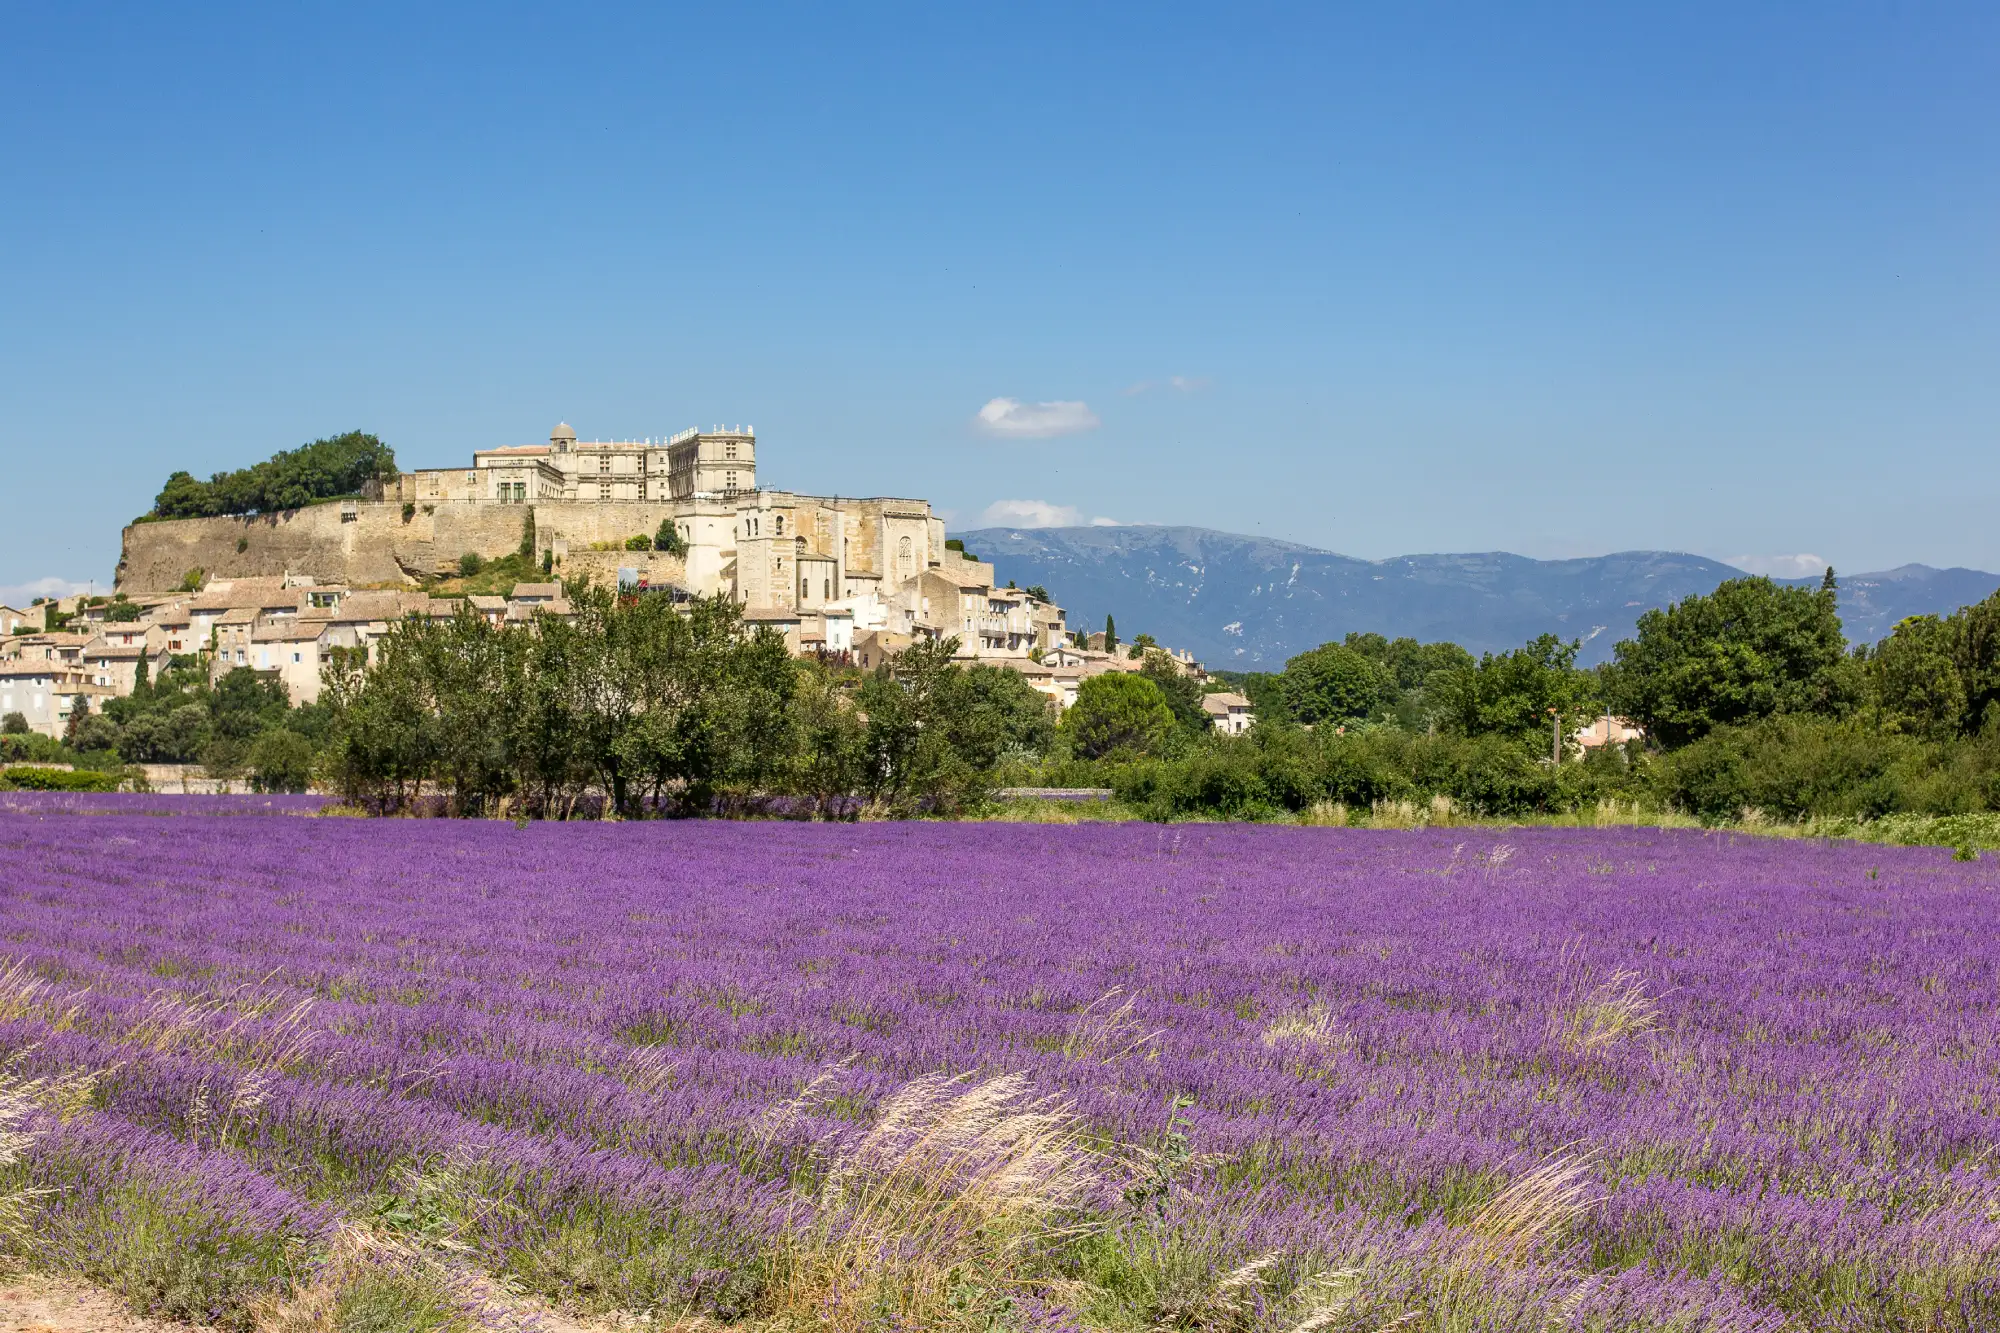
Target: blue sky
{"x":1552,"y":279}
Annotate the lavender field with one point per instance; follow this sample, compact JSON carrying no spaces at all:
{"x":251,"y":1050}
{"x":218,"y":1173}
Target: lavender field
{"x":1001,"y":1076}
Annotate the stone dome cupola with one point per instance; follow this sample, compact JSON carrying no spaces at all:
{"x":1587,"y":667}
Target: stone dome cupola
{"x":562,"y":437}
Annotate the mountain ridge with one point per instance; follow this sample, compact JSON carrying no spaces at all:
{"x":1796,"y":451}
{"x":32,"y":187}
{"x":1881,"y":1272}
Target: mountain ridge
{"x":1277,"y":598}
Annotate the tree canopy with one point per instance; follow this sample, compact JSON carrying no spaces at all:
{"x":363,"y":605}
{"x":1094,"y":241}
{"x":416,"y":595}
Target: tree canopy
{"x":1118,"y":712}
{"x":1335,"y":684}
{"x":335,"y":466}
{"x":1751,"y":649}
{"x":1939,"y":676}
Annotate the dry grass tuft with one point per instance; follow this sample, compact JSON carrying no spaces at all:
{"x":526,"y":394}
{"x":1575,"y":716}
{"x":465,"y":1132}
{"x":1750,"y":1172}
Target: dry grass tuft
{"x":1325,"y":814}
{"x":1536,"y":1208}
{"x":65,"y":1096}
{"x":368,"y":1281}
{"x":1104,"y":1030}
{"x":1228,"y":1304}
{"x":1313,"y":1026}
{"x":221,"y":1025}
{"x":25,"y":995}
{"x":1608,"y":1011}
{"x":1439,"y":812}
{"x":650,"y":1070}
{"x":940,"y":1210}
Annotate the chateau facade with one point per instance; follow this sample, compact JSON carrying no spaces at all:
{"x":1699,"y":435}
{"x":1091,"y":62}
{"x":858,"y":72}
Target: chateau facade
{"x":770,"y":549}
{"x":692,"y":464}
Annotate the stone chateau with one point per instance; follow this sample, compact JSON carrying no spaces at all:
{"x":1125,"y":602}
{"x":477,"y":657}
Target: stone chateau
{"x":851,"y":578}
{"x":857,"y":578}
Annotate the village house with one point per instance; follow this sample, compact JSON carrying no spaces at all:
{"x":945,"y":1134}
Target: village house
{"x":45,"y":691}
{"x":1228,"y":713}
{"x":1606,"y":730}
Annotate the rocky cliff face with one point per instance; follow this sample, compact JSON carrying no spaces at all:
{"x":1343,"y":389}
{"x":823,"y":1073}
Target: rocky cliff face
{"x":361,"y":543}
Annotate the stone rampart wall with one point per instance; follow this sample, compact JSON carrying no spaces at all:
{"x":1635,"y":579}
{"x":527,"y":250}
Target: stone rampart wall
{"x":379,"y":545}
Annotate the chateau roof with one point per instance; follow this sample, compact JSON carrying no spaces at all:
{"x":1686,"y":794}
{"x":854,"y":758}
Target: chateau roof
{"x":562,"y":432}
{"x":289,"y":631}
{"x":510,"y":449}
{"x":374,"y":605}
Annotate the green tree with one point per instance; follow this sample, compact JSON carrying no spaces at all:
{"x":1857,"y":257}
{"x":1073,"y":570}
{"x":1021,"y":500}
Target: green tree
{"x":14,"y":724}
{"x":1751,"y":649}
{"x":79,"y":711}
{"x":1119,"y":712}
{"x":1040,"y":594}
{"x":1976,"y":652}
{"x":527,"y":547}
{"x":96,"y":735}
{"x":668,"y":539}
{"x":281,"y":760}
{"x":1182,"y":693}
{"x":1522,"y":695}
{"x":470,"y":563}
{"x":1915,"y":678}
{"x":245,"y":703}
{"x":222,"y":759}
{"x":1335,"y":684}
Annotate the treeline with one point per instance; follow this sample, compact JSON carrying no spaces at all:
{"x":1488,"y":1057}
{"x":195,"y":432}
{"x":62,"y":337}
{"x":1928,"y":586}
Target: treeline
{"x":340,"y":465}
{"x":1748,"y":697}
{"x":640,"y":708}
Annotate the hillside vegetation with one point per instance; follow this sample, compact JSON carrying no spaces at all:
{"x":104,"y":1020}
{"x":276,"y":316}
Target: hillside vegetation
{"x":337,"y":466}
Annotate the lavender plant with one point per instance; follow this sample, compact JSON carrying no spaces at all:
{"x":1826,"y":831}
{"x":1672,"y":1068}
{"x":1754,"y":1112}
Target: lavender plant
{"x":1005,"y":1076}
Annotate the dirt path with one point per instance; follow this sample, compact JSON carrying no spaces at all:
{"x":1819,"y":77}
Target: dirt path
{"x":56,"y":1305}
{"x":36,"y":1304}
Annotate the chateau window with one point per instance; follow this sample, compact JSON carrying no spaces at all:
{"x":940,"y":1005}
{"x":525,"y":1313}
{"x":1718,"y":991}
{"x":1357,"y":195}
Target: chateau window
{"x":729,"y":451}
{"x":781,"y":525}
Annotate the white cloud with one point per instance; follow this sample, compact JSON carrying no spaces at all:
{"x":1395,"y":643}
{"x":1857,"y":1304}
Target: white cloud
{"x":1012,"y":419}
{"x":1780,"y":566}
{"x":1038,"y":514}
{"x":20,"y":594}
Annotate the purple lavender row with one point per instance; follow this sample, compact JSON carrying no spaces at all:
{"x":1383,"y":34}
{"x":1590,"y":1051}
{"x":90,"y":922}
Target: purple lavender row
{"x":1372,"y":1019}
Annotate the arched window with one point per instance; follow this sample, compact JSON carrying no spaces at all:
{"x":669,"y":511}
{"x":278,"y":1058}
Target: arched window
{"x":781,"y":525}
{"x":903,"y":556}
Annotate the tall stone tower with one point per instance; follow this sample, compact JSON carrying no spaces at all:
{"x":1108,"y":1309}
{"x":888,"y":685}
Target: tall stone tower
{"x":711,"y":463}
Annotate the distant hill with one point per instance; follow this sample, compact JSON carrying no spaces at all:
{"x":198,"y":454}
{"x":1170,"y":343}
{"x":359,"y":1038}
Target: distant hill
{"x":1249,"y":603}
